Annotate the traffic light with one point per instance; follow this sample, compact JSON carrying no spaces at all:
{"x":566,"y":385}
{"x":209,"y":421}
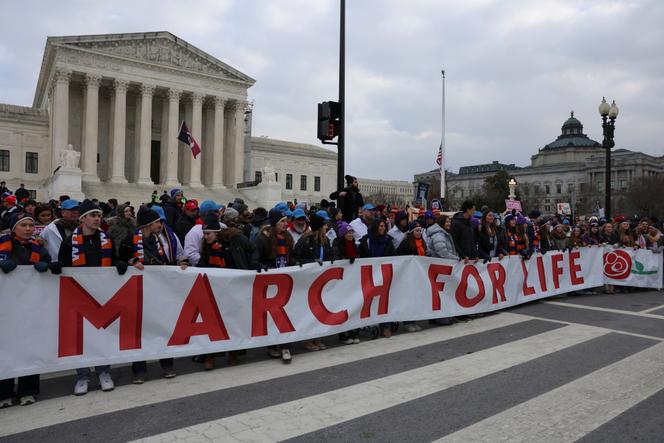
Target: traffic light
{"x":328,"y":120}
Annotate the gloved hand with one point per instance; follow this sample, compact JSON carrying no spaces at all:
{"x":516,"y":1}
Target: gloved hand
{"x":320,"y":262}
{"x":352,"y":260}
{"x":56,"y":268}
{"x":486,"y":260}
{"x":7,"y":266}
{"x":543,"y":252}
{"x":260,"y":267}
{"x":524,"y":254}
{"x":41,"y":266}
{"x":121,"y":267}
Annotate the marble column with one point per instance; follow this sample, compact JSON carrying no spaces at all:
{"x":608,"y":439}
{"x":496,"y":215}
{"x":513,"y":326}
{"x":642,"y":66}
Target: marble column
{"x":60,"y":97}
{"x":89,"y":149}
{"x":118,"y":131}
{"x":229,"y":144}
{"x":196,"y":130}
{"x":170,"y":160}
{"x":144,"y":115}
{"x":218,"y":144}
{"x":238,"y":166}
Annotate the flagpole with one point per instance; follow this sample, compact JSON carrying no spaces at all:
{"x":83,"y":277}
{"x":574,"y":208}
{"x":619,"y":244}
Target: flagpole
{"x":442,"y":143}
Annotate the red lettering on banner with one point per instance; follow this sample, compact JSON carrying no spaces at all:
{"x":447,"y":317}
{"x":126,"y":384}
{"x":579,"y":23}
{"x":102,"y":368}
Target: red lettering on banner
{"x":540,"y":272}
{"x":262,"y":305}
{"x":76,"y":304}
{"x":557,"y":270}
{"x":316,"y":298}
{"x":527,"y":290}
{"x":497,"y":276}
{"x":462,"y":290}
{"x":575,"y":268}
{"x":200,"y":301}
{"x":369,"y":290}
{"x":437,"y":286}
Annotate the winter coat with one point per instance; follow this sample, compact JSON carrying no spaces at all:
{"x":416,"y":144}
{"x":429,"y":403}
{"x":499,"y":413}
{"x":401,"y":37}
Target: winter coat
{"x":440,"y":243}
{"x":242,"y":250}
{"x":183,"y":226}
{"x":307,"y":250}
{"x":122,"y":232}
{"x":21,"y":252}
{"x":407,"y":246}
{"x":364,"y":248}
{"x":485,"y":247}
{"x":263,"y":253}
{"x":463,"y":235}
{"x":339,"y":249}
{"x":349,"y":203}
{"x":172,"y":212}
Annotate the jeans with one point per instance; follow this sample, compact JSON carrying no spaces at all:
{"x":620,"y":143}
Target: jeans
{"x":141,"y":367}
{"x":84,"y":373}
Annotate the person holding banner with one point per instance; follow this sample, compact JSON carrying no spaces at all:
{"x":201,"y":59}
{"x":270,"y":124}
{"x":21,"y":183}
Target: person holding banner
{"x":516,"y":238}
{"x":463,"y":233}
{"x":89,"y":246}
{"x":274,"y":249}
{"x":376,"y":243}
{"x":440,"y":242}
{"x":491,"y":238}
{"x":413,"y":244}
{"x":344,"y":248}
{"x":20,"y":248}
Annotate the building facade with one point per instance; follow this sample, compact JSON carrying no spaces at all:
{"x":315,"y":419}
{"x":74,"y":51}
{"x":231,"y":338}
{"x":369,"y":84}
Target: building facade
{"x":570,"y":169}
{"x":393,"y":192}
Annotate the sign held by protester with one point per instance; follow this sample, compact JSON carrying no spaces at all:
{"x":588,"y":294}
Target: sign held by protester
{"x":513,"y":204}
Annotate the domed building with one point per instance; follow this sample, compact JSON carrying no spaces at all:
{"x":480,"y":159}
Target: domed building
{"x":569,"y":169}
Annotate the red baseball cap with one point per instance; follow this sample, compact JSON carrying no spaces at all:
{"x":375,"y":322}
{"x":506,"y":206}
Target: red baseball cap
{"x":191,"y":205}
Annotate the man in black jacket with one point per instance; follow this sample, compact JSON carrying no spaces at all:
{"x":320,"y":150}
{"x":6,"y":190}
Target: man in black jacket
{"x":462,"y":231}
{"x":349,"y":199}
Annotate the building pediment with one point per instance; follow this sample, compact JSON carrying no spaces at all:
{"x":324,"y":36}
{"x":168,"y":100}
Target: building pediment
{"x":158,"y":49}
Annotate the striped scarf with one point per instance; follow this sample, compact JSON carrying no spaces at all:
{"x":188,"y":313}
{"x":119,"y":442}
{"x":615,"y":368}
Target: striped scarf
{"x":78,"y":248}
{"x":6,"y":249}
{"x":138,"y":251}
{"x":538,"y":237}
{"x":172,"y":244}
{"x":515,"y":243}
{"x":217,"y":256}
{"x":282,"y":252}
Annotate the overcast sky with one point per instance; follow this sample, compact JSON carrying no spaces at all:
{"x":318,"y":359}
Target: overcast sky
{"x":514,"y":69}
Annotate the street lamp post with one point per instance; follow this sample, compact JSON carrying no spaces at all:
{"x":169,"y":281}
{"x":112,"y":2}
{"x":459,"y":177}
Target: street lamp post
{"x":512,"y":185}
{"x":609,"y":114}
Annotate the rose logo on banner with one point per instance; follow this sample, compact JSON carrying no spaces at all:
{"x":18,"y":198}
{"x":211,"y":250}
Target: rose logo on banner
{"x":617,"y":264}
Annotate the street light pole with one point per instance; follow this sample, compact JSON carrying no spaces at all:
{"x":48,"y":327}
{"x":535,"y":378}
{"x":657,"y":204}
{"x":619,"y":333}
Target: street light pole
{"x":609,"y":115}
{"x":341,"y":141}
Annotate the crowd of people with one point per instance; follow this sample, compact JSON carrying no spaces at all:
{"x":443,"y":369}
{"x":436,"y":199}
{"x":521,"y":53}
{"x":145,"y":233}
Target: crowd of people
{"x":171,"y":230}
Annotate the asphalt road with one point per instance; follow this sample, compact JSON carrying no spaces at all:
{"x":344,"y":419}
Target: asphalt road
{"x":582,"y":367}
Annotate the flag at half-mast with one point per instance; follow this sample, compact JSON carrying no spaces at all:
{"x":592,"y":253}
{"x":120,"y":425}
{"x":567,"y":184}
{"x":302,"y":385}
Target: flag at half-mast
{"x":185,"y":136}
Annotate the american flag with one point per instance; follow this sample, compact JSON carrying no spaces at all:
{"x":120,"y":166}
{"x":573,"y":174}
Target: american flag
{"x":184,"y":135}
{"x":439,"y":157}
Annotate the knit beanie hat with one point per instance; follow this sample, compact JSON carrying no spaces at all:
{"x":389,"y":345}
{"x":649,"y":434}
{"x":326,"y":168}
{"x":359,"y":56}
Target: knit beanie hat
{"x":211,"y":222}
{"x":316,"y":222}
{"x":412,"y":225}
{"x":175,"y":191}
{"x":275,"y":216}
{"x":14,"y":219}
{"x":521,"y":220}
{"x":146,"y":216}
{"x":88,"y":207}
{"x":507,"y":219}
{"x":344,"y":228}
{"x":349,"y":179}
{"x":260,"y":215}
{"x":230,"y":214}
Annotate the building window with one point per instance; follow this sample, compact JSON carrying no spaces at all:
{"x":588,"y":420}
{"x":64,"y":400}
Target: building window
{"x":31,"y":162}
{"x":303,"y":183}
{"x":623,"y":184}
{"x":547,"y":208}
{"x":547,"y":189}
{"x":276,"y":176}
{"x":559,"y":188}
{"x":258,"y":176}
{"x":289,"y":181}
{"x":316,"y":184}
{"x":33,"y":194}
{"x":570,"y":187}
{"x":4,"y":160}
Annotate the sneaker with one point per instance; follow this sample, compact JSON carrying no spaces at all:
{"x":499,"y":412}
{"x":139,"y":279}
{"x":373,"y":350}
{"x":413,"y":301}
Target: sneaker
{"x":320,"y":345}
{"x":418,"y":327}
{"x":27,"y":400}
{"x":7,"y":402}
{"x":356,"y":340}
{"x":169,"y":373}
{"x":285,"y":356}
{"x":208,"y":364}
{"x":309,"y":346}
{"x":106,"y":381}
{"x":138,"y":379}
{"x":348,"y":341}
{"x":411,"y":328}
{"x":273,"y":353}
{"x":81,"y":387}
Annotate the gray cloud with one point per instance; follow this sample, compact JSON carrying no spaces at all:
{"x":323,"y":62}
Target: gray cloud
{"x":515,"y":68}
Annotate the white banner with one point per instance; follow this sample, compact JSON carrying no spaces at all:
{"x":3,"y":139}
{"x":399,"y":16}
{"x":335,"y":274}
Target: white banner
{"x":93,"y":316}
{"x":633,"y":267}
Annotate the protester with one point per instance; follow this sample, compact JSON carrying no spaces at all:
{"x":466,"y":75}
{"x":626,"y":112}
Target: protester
{"x":361,"y":224}
{"x":441,"y":243}
{"x":61,"y":228}
{"x":194,"y":237}
{"x":299,"y":226}
{"x":173,"y":206}
{"x":122,"y":230}
{"x":413,"y":244}
{"x":491,"y":242}
{"x":187,"y":220}
{"x":400,"y":228}
{"x":463,"y":233}
{"x":349,"y":200}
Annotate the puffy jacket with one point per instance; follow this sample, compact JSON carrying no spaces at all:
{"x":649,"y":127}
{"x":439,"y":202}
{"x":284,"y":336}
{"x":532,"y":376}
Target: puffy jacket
{"x":306,"y":250}
{"x":440,"y":243}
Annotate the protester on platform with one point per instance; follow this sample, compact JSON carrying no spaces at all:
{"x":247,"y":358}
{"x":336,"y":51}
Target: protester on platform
{"x":376,"y":243}
{"x":21,"y":248}
{"x":400,"y":229}
{"x":147,"y":250}
{"x":89,"y":246}
{"x":491,"y":241}
{"x":187,"y":220}
{"x":61,"y":228}
{"x":274,"y":249}
{"x":462,"y":232}
{"x":349,"y":200}
{"x":122,"y":230}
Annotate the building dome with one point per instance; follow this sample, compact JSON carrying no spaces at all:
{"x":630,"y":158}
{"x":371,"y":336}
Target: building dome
{"x":572,"y":136}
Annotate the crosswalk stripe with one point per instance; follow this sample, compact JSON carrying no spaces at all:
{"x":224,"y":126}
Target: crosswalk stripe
{"x":597,"y":308}
{"x":291,"y":419}
{"x":63,"y":409}
{"x":587,"y":402}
